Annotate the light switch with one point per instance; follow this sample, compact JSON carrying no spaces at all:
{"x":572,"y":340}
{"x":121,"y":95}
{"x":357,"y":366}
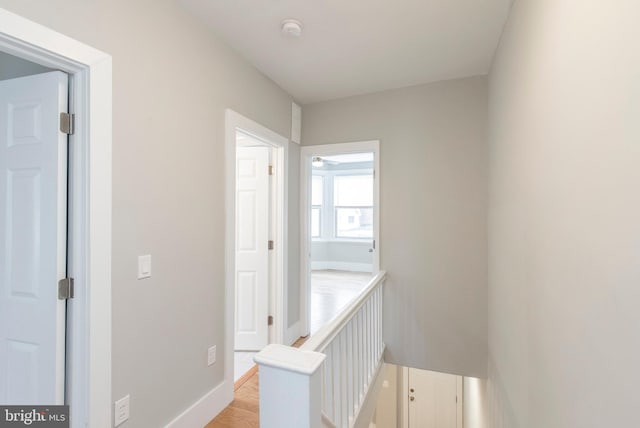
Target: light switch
{"x":144,"y":266}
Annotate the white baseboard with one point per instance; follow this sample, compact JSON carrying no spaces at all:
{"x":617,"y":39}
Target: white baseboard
{"x":205,"y":409}
{"x":292,"y":334}
{"x":352,"y":267}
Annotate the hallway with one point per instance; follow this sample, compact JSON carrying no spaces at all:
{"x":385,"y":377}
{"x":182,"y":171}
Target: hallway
{"x":332,"y":290}
{"x":244,"y":410}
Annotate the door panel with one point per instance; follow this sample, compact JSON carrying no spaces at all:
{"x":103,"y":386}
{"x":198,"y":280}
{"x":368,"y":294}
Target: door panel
{"x":434,"y":403}
{"x":33,"y":220}
{"x":252,"y":256}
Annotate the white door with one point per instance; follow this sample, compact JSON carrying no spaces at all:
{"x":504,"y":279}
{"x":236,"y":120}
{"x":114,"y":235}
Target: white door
{"x":33,"y":221}
{"x":433,"y":400}
{"x":252,"y":254}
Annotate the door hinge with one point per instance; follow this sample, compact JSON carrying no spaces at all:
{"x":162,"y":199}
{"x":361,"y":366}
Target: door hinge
{"x":270,"y":169}
{"x":67,"y":123}
{"x":270,"y":245}
{"x":270,"y":320}
{"x":65,"y":288}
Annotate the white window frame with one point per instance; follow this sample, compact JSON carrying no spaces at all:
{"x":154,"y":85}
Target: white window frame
{"x":329,"y":226}
{"x":88,"y":376}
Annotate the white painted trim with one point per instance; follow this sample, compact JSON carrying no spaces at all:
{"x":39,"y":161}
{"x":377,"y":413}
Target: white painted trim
{"x":292,"y":334}
{"x":233,"y":122}
{"x":345,"y":266}
{"x":293,"y":360}
{"x":205,"y":409}
{"x":403,"y":403}
{"x":306,"y":153}
{"x":296,"y":123}
{"x":89,"y":313}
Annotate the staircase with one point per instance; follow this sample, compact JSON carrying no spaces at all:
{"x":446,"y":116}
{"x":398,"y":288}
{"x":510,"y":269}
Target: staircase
{"x":334,"y":378}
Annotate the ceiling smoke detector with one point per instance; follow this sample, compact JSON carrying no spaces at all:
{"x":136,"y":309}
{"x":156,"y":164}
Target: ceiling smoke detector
{"x":291,"y":28}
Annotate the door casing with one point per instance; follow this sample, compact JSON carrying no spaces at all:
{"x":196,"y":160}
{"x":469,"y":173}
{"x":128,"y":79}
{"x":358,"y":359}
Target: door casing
{"x":88,"y":375}
{"x":233,"y":122}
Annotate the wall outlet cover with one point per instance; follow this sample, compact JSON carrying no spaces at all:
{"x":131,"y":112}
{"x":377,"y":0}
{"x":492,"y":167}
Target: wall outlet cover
{"x":121,"y":410}
{"x":211,"y":355}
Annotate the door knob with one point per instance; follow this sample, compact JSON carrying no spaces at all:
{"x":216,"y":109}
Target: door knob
{"x":412,"y":398}
{"x":371,"y":250}
{"x":412,"y":390}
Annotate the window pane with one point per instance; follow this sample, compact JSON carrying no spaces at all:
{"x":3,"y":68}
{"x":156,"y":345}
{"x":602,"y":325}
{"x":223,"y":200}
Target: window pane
{"x":353,"y":190}
{"x":354,"y":222}
{"x":316,"y":189}
{"x":315,"y":222}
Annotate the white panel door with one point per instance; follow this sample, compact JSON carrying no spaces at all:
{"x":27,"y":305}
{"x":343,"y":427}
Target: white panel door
{"x":252,"y":254}
{"x":33,"y":221}
{"x":433,"y":399}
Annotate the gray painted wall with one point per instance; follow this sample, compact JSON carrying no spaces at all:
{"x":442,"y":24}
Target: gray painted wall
{"x":173,"y":81}
{"x":564,"y":271}
{"x":433,"y":215}
{"x":12,"y":66}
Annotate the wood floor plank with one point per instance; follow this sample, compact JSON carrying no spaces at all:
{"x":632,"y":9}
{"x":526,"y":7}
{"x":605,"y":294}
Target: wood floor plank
{"x":244,"y":410}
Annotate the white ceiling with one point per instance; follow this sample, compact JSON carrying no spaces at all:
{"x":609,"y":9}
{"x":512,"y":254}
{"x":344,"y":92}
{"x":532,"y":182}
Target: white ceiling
{"x":351,"y":47}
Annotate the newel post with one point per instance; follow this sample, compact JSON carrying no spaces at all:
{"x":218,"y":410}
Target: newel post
{"x":290,"y":387}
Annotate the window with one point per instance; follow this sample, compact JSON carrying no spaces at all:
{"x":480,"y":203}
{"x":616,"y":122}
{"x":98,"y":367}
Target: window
{"x":317,"y":185}
{"x":353,"y":204}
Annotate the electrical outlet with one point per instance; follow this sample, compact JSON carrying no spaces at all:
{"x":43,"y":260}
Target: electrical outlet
{"x":121,"y":411}
{"x":211,"y":355}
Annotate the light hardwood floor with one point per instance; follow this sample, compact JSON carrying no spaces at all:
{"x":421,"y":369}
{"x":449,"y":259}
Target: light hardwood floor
{"x":244,"y":410}
{"x":331,"y":291}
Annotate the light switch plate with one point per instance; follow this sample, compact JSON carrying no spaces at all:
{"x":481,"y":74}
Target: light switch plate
{"x":121,"y":411}
{"x":144,"y":266}
{"x":211,"y":355}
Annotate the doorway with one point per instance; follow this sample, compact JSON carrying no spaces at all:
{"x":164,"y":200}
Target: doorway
{"x":339,"y":197}
{"x":87,"y":389}
{"x":33,"y":226}
{"x":256,"y":247}
{"x":255,"y":241}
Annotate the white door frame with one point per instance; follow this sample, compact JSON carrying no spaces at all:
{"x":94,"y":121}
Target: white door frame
{"x":235,"y":121}
{"x":306,"y":154}
{"x":89,"y":313}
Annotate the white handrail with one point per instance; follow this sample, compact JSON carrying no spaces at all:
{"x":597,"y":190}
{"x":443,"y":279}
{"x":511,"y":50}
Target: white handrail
{"x":319,"y":341}
{"x":331,"y":380}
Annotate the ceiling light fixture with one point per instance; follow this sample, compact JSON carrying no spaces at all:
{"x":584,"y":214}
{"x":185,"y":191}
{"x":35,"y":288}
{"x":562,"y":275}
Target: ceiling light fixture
{"x":292,"y":28}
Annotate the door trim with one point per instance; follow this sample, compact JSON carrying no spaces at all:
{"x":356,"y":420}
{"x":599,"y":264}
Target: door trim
{"x":306,"y":153}
{"x":234,"y":121}
{"x":89,"y":313}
